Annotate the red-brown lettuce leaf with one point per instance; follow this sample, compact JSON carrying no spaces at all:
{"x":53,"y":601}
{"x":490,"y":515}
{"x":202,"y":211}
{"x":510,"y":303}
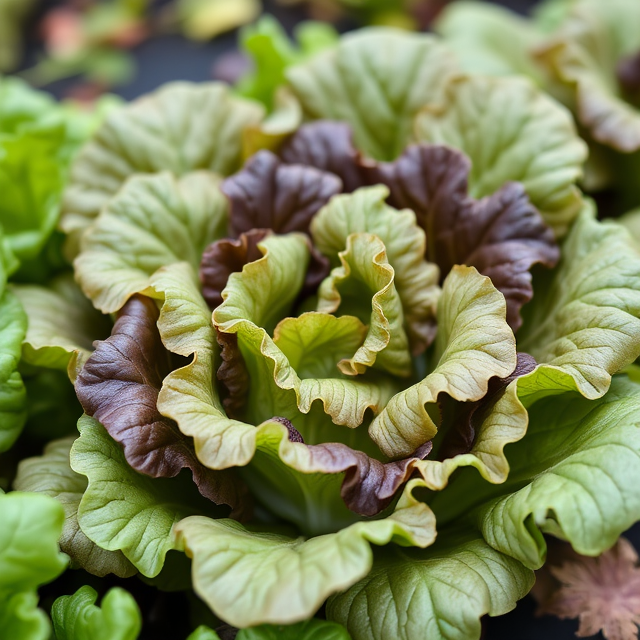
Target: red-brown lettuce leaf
{"x":267,"y":194}
{"x":119,"y":387}
{"x":502,"y":235}
{"x":326,"y":145}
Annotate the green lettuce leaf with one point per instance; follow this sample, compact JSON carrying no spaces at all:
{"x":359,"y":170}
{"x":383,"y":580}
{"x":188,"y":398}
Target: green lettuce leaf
{"x":583,"y":326}
{"x":153,"y":221}
{"x":77,"y":617}
{"x":13,"y":397}
{"x":252,"y":578}
{"x":259,"y":296}
{"x":51,"y":474}
{"x":62,"y":325}
{"x":363,"y":287}
{"x":31,"y":182}
{"x":490,"y":39}
{"x":313,"y":629}
{"x":439,"y":593}
{"x":122,"y":510}
{"x":415,"y":279}
{"x":473,"y":344}
{"x":587,"y":56}
{"x":511,"y":131}
{"x":29,"y":558}
{"x":141,"y":138}
{"x":21,"y":107}
{"x":573,"y":476}
{"x":376,"y":80}
{"x":272,"y":52}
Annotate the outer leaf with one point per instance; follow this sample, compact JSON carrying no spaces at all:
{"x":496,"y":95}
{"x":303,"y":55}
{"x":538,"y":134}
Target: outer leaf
{"x":29,"y":554}
{"x":474,"y":343}
{"x":364,"y":287}
{"x":13,"y":397}
{"x":585,"y":326}
{"x":29,"y":557}
{"x":376,"y":80}
{"x":31,"y":182}
{"x":415,"y":279}
{"x":141,"y":138}
{"x":77,"y":617}
{"x":152,"y":222}
{"x":251,"y":578}
{"x":490,"y":39}
{"x":573,"y":476}
{"x":313,"y":629}
{"x":122,"y":510}
{"x":497,"y":122}
{"x":20,"y":617}
{"x":440,"y":593}
{"x":52,"y":475}
{"x":588,"y":54}
{"x":62,"y":325}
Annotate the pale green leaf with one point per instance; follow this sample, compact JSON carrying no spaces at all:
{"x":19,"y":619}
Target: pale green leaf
{"x":376,"y":80}
{"x":363,"y":286}
{"x":182,"y":127}
{"x":153,"y":221}
{"x":473,"y":344}
{"x":415,"y":279}
{"x":122,"y":510}
{"x":62,"y":325}
{"x":574,"y":476}
{"x":252,"y":578}
{"x":583,"y":325}
{"x":52,"y":475}
{"x":439,"y":593}
{"x":490,"y":40}
{"x":584,"y":55}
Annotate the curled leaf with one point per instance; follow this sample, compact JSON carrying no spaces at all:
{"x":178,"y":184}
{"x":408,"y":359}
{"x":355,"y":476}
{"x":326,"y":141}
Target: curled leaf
{"x":474,"y":343}
{"x":415,"y":279}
